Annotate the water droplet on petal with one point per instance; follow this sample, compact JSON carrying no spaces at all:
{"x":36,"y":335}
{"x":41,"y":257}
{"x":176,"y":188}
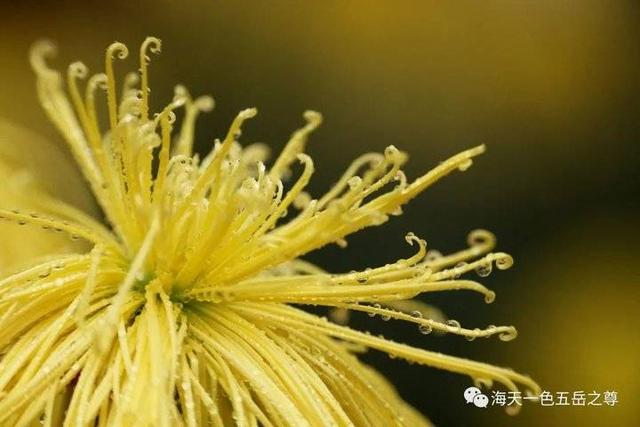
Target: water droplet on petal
{"x":425,"y":329}
{"x":354,"y":182}
{"x":453,"y":323}
{"x":465,"y":165}
{"x":377,"y":306}
{"x":484,"y":270}
{"x":472,"y":337}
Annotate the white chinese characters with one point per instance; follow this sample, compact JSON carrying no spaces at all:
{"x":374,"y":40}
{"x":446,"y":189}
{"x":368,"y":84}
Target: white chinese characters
{"x":546,"y":398}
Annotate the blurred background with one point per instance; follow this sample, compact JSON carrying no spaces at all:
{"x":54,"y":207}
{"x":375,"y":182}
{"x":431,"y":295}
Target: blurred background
{"x":552,"y":88}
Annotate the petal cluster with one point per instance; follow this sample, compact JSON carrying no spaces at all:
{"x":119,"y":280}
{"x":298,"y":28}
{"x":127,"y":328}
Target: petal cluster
{"x":186,"y":311}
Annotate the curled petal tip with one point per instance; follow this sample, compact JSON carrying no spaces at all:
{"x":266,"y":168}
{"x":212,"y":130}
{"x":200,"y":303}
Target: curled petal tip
{"x":509,"y":335}
{"x":78,"y":70}
{"x":490,"y":297}
{"x":44,"y":47}
{"x":504,"y":261}
{"x":313,"y":117}
{"x":481,"y":237}
{"x":39,"y":52}
{"x":119,"y":49}
{"x":153,"y":44}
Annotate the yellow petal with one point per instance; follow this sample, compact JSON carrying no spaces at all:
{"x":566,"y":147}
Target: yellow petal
{"x":30,"y":168}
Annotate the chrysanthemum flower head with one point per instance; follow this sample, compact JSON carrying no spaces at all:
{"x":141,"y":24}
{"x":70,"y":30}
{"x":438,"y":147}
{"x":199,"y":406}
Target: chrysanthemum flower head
{"x":187,"y":309}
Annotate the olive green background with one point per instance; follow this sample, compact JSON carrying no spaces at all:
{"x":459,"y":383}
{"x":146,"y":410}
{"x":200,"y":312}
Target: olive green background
{"x":552,"y":88}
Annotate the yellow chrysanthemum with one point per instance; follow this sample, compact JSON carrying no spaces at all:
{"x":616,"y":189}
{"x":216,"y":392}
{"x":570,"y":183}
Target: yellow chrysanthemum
{"x":182,"y":313}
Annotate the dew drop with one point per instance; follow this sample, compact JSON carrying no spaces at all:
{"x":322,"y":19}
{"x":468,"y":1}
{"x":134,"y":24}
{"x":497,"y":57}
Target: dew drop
{"x":397,"y":211}
{"x":416,"y":314}
{"x":371,"y":314}
{"x":385,"y":317}
{"x":354,"y":182}
{"x":453,"y":323}
{"x":484,"y":270}
{"x":491,"y":329}
{"x":425,"y":329}
{"x":472,"y":337}
{"x":459,"y":269}
{"x":465,"y":165}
